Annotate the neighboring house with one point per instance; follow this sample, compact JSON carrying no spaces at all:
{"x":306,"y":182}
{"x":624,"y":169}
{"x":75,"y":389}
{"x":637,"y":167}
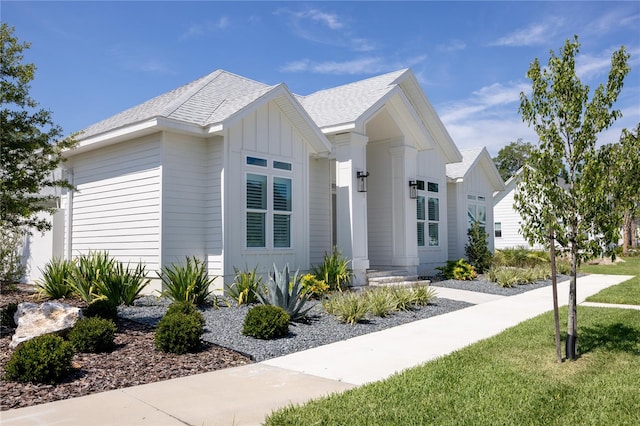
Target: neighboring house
{"x":470,"y":188}
{"x":239,"y":173}
{"x":506,"y":219}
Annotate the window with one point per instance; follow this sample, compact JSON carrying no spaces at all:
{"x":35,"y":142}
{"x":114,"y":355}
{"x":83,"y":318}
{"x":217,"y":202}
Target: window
{"x":254,"y":161}
{"x":282,"y":212}
{"x":281,"y":165}
{"x":477,"y":211}
{"x":497,"y":229}
{"x":428,"y":218}
{"x":268,"y":212}
{"x":256,"y":210}
{"x":432,"y":187}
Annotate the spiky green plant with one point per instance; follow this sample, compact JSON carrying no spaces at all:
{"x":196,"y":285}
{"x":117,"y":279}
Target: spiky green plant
{"x":121,"y":285}
{"x":334,"y":270}
{"x":381,"y":302}
{"x":423,"y":295}
{"x":347,"y":307}
{"x":187,"y":283}
{"x":90,"y":269}
{"x":404,"y":298}
{"x":55,"y":279}
{"x":245,"y":287}
{"x":285,"y":293}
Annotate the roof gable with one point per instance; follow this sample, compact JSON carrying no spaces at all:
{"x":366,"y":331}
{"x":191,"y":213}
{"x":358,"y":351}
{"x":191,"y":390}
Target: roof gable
{"x":471,"y":158}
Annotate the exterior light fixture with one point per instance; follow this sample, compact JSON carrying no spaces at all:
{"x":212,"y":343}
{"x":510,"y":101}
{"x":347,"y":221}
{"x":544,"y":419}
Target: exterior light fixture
{"x":413,"y":189}
{"x":362,"y":181}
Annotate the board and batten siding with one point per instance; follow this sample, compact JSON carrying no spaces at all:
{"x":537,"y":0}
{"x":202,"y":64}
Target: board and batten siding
{"x":265,"y":133}
{"x":184,"y":188}
{"x":380,"y":204}
{"x":319,"y":209}
{"x":116,"y":205}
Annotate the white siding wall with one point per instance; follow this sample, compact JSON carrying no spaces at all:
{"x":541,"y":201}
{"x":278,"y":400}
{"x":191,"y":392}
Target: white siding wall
{"x":509,"y":219}
{"x":117,"y":203}
{"x":184,"y":188}
{"x":319,"y":209}
{"x":213,"y":199}
{"x":379,"y":204}
{"x":432,"y":168}
{"x":266,"y":133}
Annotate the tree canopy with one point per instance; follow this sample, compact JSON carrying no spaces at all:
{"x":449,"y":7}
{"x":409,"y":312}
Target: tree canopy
{"x":31,"y":145}
{"x":566,"y":191}
{"x":512,"y":157}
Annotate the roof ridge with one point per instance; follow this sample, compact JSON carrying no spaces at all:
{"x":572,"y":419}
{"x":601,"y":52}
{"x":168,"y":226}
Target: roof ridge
{"x":358,"y":82}
{"x":264,"y":90}
{"x":199,"y":84}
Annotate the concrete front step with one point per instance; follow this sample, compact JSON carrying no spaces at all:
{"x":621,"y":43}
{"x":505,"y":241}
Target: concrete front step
{"x":375,"y":273}
{"x":400,"y":283}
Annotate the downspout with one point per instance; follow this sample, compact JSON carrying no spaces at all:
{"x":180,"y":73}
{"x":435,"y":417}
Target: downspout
{"x":69,"y":224}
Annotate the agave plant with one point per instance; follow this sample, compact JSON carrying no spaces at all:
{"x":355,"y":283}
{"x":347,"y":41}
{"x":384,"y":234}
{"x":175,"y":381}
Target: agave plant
{"x":285,"y":293}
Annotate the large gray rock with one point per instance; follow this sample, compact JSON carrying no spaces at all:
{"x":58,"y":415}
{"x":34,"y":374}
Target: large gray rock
{"x":35,"y":320}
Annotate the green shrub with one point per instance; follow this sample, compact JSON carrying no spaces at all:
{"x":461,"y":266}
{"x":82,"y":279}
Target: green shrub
{"x":477,"y":248}
{"x":423,"y":295}
{"x":334,"y":270}
{"x":245,"y":286}
{"x":380,"y":301}
{"x":93,"y":335}
{"x":186,"y":308}
{"x":403,"y":297}
{"x":187,"y":283}
{"x":55,"y":279}
{"x":121,"y":285}
{"x":504,"y":276}
{"x":520,"y":257}
{"x":285,"y":293}
{"x":458,"y":270}
{"x":178,"y":333}
{"x":11,"y":268}
{"x":266,"y":322}
{"x":101,"y":308}
{"x":6,"y":317}
{"x":312,"y":286}
{"x":348,"y":307}
{"x":90,"y":269}
{"x":43,"y":359}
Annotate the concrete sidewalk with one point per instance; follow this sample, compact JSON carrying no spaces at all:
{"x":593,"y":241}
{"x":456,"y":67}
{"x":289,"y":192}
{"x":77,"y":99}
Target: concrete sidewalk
{"x":245,"y":395}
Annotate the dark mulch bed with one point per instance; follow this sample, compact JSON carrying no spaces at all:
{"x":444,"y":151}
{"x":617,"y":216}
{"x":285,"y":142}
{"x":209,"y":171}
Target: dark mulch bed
{"x":135,"y":361}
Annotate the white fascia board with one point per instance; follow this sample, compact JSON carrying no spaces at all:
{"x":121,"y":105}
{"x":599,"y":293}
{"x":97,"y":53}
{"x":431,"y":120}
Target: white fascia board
{"x":136,"y":130}
{"x":340,"y":128}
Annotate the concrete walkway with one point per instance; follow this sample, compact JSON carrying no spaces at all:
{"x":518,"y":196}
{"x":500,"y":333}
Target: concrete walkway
{"x":245,"y":395}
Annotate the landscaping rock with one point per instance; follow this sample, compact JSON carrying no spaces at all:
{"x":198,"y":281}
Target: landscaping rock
{"x":35,"y":320}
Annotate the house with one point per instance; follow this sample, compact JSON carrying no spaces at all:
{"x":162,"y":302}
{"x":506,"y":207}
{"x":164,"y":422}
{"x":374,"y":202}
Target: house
{"x":240,"y":173}
{"x":506,"y":219}
{"x":470,"y":187}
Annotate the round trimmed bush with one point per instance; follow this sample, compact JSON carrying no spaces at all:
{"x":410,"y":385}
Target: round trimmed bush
{"x":93,"y":335}
{"x":266,"y":322}
{"x":43,"y":359}
{"x":179,"y":333}
{"x":187,"y":308}
{"x":102,"y":308}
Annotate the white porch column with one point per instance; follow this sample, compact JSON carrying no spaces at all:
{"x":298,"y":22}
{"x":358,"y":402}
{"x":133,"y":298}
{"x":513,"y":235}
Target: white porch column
{"x":405,"y":240}
{"x":351,"y":205}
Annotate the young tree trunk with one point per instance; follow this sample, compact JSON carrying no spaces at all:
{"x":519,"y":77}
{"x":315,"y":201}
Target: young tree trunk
{"x":572,"y":322}
{"x":626,"y":232}
{"x":554,"y":286}
{"x":634,"y":236}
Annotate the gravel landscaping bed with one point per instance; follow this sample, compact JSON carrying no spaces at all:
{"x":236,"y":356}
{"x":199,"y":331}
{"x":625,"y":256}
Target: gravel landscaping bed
{"x":482,"y":285}
{"x":224,"y":326}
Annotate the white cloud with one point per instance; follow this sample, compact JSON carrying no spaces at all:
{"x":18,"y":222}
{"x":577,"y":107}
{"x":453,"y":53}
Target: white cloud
{"x":364,"y":65}
{"x":452,"y":46}
{"x":330,"y":20}
{"x":590,"y":66}
{"x":487,"y":101}
{"x":203,"y":28}
{"x":535,"y":34}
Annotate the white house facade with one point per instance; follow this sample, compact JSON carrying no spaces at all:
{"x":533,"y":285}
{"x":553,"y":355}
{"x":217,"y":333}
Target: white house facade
{"x":242,"y":174}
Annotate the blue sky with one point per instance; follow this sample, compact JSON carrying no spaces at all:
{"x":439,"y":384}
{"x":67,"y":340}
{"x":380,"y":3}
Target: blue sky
{"x":96,"y":59}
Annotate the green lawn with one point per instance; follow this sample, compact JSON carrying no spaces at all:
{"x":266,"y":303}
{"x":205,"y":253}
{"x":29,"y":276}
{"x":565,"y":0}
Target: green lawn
{"x":510,"y":379}
{"x":627,"y":292}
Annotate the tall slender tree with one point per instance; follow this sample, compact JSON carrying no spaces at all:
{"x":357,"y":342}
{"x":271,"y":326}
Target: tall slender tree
{"x":31,"y":145}
{"x":564,"y":193}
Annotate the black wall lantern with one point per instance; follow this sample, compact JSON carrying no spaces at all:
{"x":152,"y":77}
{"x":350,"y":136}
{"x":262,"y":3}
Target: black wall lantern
{"x":362,"y":181}
{"x":413,"y":189}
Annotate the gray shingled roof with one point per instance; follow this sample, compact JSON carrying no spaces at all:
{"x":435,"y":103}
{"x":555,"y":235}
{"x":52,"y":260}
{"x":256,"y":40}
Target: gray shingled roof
{"x":469,"y":156}
{"x":344,"y":104}
{"x":205,"y":101}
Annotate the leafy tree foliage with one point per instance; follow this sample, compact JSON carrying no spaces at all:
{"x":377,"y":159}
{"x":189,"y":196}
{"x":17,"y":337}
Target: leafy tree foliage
{"x":512,"y":158}
{"x":30,"y":143}
{"x":564,"y":197}
{"x":477,"y":248}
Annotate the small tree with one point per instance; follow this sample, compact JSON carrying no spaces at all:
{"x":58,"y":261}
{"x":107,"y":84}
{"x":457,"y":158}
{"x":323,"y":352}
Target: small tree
{"x":512,"y":158}
{"x":564,"y":197}
{"x":477,"y":248}
{"x":30,"y":146}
